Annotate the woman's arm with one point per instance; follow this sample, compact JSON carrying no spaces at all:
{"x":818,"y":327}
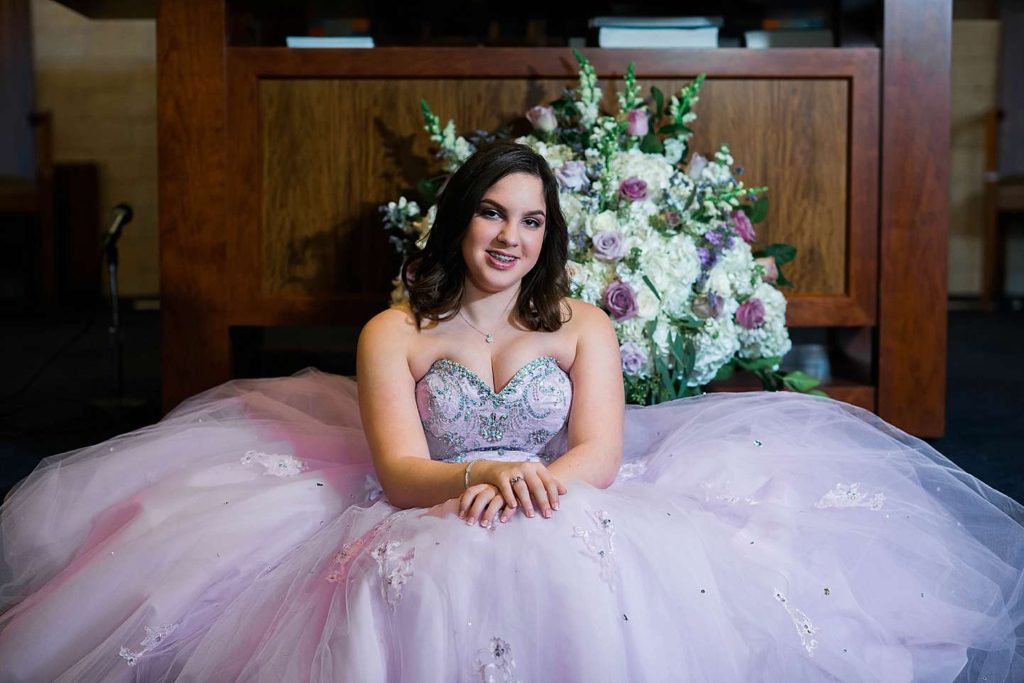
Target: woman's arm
{"x":598,"y":403}
{"x":387,"y":407}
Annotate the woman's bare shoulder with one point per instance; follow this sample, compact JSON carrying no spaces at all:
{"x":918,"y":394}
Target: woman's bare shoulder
{"x":393,"y":327}
{"x":585,"y":317}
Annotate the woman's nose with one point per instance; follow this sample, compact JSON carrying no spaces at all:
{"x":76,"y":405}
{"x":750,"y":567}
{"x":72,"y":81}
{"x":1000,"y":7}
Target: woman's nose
{"x":509,"y":235}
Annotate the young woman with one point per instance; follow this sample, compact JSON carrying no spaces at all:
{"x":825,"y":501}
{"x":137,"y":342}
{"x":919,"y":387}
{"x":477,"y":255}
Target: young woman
{"x":521,"y":524}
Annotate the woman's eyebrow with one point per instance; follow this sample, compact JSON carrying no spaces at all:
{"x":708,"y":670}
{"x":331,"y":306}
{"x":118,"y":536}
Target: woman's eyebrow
{"x":499,"y":207}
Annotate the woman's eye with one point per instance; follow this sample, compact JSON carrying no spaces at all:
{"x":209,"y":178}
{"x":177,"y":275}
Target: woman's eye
{"x":533,"y":223}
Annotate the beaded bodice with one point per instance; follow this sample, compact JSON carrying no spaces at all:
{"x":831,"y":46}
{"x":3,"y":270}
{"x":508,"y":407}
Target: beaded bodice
{"x":463,"y":418}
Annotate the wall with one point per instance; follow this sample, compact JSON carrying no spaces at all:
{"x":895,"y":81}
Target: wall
{"x":974,"y":95}
{"x":98,"y":77}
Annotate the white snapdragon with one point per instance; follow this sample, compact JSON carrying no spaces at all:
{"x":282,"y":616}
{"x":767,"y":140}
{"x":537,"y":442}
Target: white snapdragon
{"x":674,"y":148}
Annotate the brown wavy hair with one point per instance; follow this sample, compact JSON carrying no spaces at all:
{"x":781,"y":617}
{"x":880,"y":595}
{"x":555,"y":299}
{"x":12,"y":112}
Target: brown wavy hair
{"x":435,"y":276}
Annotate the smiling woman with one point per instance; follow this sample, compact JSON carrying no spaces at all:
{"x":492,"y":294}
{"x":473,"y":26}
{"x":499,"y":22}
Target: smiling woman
{"x":296,"y":529}
{"x":505,"y":206}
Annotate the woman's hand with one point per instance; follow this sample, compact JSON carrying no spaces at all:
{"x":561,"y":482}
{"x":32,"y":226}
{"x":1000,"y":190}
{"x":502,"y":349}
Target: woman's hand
{"x":481,"y":502}
{"x":521,"y":484}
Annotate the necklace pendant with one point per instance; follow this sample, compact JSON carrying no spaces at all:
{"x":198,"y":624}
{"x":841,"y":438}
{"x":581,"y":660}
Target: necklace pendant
{"x":489,"y":339}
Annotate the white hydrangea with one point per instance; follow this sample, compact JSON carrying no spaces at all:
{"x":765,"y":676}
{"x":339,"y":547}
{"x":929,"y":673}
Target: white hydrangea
{"x":716,"y":344}
{"x":573,"y":211}
{"x":673,"y":268}
{"x":772,"y":338}
{"x":554,"y":154}
{"x":733,"y":275}
{"x":653,"y":169}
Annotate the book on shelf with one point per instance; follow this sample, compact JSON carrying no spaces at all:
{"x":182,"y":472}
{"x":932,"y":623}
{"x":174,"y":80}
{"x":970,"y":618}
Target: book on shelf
{"x":657,"y":37}
{"x":329,"y":41}
{"x":789,"y":38}
{"x":656,"y":32}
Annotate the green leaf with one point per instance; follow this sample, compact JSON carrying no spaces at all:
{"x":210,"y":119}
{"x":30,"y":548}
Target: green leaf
{"x":783,"y":253}
{"x":667,"y":390}
{"x":671,"y":129}
{"x":817,"y":392}
{"x":758,"y":363}
{"x":659,"y":101}
{"x":725,"y":372}
{"x":800,"y":381}
{"x":757,"y":211}
{"x":428,"y":189}
{"x":783,"y":281}
{"x":654,"y":289}
{"x":689,"y":358}
{"x":651,"y":144}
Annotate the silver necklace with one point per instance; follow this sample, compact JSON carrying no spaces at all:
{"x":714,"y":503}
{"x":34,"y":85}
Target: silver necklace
{"x":487,"y":337}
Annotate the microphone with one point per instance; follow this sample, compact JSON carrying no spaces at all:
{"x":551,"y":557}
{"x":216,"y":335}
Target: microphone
{"x":121,"y":216}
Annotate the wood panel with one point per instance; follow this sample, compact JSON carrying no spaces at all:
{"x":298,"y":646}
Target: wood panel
{"x":319,"y":130}
{"x":191,"y":103}
{"x":320,"y":236}
{"x":914,"y":215}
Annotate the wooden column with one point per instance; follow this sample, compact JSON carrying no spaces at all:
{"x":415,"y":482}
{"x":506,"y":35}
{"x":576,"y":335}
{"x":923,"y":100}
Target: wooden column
{"x":914,"y":215}
{"x":193,"y":253}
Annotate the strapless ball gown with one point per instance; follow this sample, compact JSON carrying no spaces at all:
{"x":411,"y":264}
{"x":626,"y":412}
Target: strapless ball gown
{"x":754,"y":537}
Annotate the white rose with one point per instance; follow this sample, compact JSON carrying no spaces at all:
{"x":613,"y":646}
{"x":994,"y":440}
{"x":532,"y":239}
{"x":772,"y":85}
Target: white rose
{"x":718,"y":281}
{"x":647,"y":304}
{"x":606,"y":221}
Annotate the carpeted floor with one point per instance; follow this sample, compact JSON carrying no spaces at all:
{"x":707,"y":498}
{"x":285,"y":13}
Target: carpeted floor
{"x":66,"y":407}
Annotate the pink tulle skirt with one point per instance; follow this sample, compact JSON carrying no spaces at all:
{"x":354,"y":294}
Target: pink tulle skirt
{"x":750,"y":537}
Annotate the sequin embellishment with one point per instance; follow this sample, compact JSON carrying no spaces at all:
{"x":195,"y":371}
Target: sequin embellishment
{"x":600,"y":544}
{"x":804,"y":627}
{"x":274,"y":464}
{"x":154,"y":636}
{"x":850,"y":496}
{"x":394,"y":568}
{"x":460,"y":413}
{"x":492,"y":428}
{"x":494,"y":663}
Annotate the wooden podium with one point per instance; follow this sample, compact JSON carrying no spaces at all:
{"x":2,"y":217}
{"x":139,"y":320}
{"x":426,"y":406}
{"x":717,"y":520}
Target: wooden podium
{"x":273,"y":160}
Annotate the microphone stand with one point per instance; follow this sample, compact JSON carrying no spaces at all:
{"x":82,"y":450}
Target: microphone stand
{"x":118,"y":402}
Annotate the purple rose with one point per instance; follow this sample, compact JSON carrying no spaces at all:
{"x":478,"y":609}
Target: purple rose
{"x":714,"y":238}
{"x":542,"y":118}
{"x":633,"y":358}
{"x":743,"y":227}
{"x":609,"y":246}
{"x":633,"y":189}
{"x":750,"y":314}
{"x":620,"y":300}
{"x":637,"y":123}
{"x":572,"y":176}
{"x":673,"y":219}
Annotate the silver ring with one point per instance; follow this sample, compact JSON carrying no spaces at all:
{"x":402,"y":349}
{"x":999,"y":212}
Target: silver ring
{"x":515,"y":480}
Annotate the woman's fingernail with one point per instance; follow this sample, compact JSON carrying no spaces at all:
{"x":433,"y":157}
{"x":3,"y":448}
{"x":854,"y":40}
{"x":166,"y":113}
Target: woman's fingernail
{"x":555,"y":506}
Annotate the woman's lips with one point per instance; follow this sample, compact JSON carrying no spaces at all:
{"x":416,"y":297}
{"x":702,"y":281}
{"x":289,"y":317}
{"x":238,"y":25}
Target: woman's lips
{"x":495,"y":262}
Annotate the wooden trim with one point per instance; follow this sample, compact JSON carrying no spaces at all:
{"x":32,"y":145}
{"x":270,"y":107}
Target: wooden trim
{"x":190,"y":114}
{"x":551,"y":62}
{"x":914,"y":215}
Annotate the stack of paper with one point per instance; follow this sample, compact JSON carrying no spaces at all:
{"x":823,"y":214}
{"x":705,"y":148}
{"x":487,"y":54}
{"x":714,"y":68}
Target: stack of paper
{"x":655,"y":32}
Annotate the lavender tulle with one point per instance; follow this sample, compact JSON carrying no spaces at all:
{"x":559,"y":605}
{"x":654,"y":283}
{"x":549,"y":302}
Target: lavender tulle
{"x":751,"y":537}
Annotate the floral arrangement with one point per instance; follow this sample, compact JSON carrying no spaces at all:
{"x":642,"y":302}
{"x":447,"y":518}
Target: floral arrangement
{"x":660,"y":238}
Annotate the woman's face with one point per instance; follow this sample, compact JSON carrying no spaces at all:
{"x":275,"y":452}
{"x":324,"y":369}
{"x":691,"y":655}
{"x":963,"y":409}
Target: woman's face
{"x":506,"y":233}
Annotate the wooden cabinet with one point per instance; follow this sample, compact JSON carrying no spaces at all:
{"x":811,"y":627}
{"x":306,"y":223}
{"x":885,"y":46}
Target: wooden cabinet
{"x":273,"y":162}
